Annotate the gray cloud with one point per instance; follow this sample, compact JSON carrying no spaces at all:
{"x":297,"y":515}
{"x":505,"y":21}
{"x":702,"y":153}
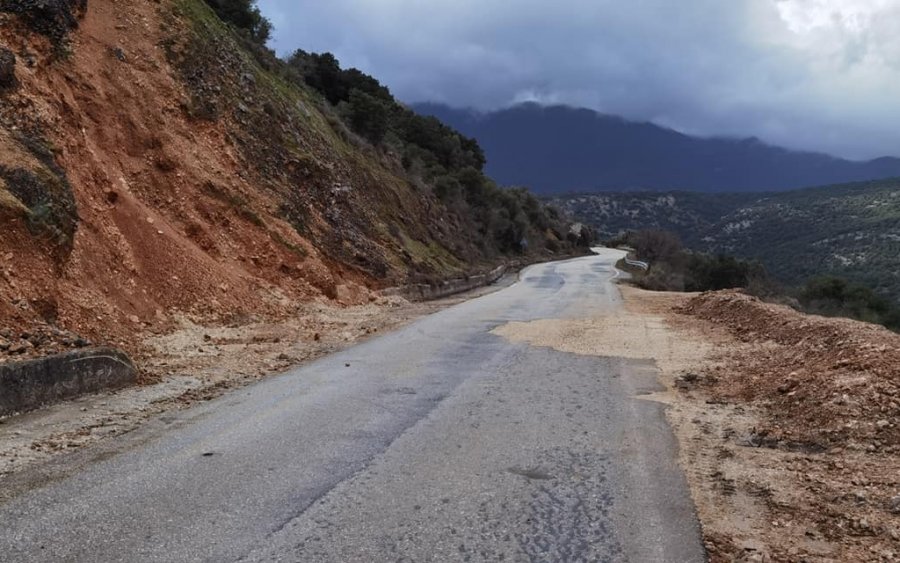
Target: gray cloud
{"x":813,"y":74}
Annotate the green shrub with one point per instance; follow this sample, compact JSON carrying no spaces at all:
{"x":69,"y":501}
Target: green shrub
{"x":244,"y":15}
{"x":367,"y":115}
{"x":705,"y":273}
{"x":674,"y":268}
{"x":832,"y":296}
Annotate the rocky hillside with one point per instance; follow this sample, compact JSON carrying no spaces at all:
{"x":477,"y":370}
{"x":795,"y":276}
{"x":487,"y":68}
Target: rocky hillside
{"x":689,"y":214}
{"x":850,"y":230}
{"x":152,"y":165}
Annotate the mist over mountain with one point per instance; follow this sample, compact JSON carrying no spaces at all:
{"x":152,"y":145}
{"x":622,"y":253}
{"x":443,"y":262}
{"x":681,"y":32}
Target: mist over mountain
{"x":560,"y":149}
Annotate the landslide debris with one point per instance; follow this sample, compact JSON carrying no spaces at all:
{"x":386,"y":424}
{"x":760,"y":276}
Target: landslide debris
{"x":826,"y":382}
{"x":153,"y":166}
{"x":39,"y":340}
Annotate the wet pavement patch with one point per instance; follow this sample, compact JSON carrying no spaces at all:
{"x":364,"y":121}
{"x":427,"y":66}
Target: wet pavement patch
{"x":534,"y":474}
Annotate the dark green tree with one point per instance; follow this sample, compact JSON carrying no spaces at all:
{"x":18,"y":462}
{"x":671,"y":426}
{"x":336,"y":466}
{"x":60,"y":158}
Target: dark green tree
{"x":244,"y":15}
{"x":367,"y":115}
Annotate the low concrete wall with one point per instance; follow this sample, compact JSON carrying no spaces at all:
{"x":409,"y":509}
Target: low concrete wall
{"x":33,"y":383}
{"x":426,"y":292}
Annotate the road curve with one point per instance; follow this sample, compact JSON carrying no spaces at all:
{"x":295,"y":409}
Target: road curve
{"x":437,"y":442}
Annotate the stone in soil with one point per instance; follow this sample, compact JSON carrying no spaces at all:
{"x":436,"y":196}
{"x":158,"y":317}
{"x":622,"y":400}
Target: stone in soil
{"x":7,"y":68}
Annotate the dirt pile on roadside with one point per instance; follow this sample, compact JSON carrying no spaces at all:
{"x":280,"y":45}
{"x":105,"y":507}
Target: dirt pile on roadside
{"x":770,"y":479}
{"x":826,"y":382}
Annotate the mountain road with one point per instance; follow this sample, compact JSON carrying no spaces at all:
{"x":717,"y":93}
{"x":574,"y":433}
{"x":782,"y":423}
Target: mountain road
{"x":437,"y":442}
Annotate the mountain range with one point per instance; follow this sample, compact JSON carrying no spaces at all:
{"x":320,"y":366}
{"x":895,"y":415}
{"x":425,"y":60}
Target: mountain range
{"x":560,"y":149}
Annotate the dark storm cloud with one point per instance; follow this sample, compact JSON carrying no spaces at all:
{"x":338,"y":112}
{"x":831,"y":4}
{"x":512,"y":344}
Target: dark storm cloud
{"x":814,"y":74}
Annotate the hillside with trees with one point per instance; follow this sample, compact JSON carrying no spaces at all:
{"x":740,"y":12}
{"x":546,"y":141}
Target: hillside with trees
{"x":850,"y":231}
{"x":161,"y":149}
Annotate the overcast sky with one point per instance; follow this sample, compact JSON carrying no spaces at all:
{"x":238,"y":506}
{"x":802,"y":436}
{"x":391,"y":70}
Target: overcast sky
{"x":813,"y":74}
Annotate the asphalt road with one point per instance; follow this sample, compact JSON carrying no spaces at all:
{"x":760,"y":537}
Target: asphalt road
{"x":438,"y":442}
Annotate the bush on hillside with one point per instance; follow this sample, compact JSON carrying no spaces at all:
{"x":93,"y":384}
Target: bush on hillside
{"x":832,"y":296}
{"x":654,"y":245}
{"x":367,"y":115}
{"x":707,"y":273}
{"x":244,"y":15}
{"x":507,"y":220}
{"x":673,"y":268}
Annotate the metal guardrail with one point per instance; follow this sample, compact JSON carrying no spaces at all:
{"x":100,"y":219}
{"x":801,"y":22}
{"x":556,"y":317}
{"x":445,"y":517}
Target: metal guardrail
{"x":633,"y":263}
{"x":637,"y":263}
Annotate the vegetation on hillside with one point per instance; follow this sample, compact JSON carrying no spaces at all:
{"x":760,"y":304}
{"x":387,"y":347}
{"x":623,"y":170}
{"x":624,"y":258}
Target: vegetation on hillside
{"x":245,"y":16}
{"x":383,"y":144}
{"x":430,"y":151}
{"x":850,"y":231}
{"x":673,"y":268}
{"x":835,"y":297}
{"x":688,"y":214}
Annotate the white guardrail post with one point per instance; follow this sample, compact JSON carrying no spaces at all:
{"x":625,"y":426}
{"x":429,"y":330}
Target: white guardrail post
{"x":637,"y":263}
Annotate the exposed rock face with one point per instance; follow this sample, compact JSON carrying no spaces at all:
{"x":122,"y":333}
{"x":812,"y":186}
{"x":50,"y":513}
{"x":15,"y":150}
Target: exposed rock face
{"x":7,"y":68}
{"x":50,"y":200}
{"x":53,"y":18}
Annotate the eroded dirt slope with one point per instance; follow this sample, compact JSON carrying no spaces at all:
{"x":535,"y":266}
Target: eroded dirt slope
{"x":150,"y":168}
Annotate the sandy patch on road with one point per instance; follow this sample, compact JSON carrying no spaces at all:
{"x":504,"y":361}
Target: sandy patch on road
{"x":625,"y":333}
{"x":645,"y":329}
{"x":756,"y":501}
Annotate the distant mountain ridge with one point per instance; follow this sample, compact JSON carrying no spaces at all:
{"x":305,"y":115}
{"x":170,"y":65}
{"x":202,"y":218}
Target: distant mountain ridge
{"x":560,"y":149}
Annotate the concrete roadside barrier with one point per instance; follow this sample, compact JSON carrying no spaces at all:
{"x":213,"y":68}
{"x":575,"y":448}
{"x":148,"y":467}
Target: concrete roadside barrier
{"x":446,"y":288}
{"x":30,"y":384}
